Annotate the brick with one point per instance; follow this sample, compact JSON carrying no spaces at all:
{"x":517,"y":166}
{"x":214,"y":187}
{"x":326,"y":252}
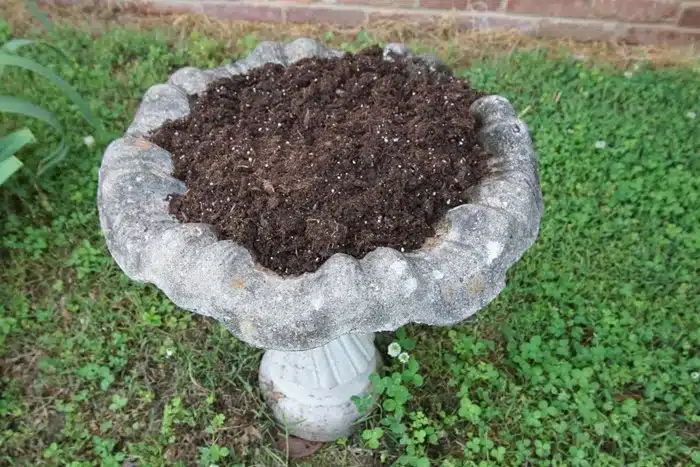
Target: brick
{"x":690,"y":17}
{"x":233,"y":10}
{"x":557,"y":8}
{"x":469,"y":5}
{"x":645,"y":11}
{"x":581,"y":31}
{"x":300,"y":2}
{"x":224,"y":10}
{"x":461,"y":20}
{"x":381,"y":3}
{"x":652,"y":35}
{"x":419,"y":18}
{"x":488,"y":22}
{"x":648,"y":11}
{"x":59,"y":2}
{"x":175,"y":7}
{"x":339,"y":17}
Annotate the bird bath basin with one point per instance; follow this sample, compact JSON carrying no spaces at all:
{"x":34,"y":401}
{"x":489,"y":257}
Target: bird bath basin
{"x":317,"y":328}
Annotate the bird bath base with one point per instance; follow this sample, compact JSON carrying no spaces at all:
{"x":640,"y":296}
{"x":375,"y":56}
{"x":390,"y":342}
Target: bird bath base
{"x":310,"y":391}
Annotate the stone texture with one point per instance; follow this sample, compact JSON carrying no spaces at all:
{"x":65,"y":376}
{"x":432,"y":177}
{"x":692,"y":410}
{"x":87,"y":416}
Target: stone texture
{"x":304,"y":48}
{"x":191,"y":80}
{"x":455,"y":275}
{"x":161,"y":102}
{"x":310,"y":392}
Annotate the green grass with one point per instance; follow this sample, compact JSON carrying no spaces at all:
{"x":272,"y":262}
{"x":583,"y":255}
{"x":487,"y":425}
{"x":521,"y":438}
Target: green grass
{"x":589,"y":357}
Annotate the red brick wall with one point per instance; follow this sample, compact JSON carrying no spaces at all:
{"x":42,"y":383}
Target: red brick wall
{"x":638,"y":21}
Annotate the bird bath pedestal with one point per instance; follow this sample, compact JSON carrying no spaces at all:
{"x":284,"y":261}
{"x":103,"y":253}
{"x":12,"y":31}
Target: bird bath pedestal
{"x":318,"y":328}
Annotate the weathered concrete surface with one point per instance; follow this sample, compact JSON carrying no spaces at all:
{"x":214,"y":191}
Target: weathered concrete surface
{"x":455,"y":275}
{"x":311,"y":391}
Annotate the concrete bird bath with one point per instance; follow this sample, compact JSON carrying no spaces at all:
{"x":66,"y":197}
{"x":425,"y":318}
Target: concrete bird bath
{"x":318,"y":328}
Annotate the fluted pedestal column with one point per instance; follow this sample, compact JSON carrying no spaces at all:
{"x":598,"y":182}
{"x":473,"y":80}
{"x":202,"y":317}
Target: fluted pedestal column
{"x":310,"y":391}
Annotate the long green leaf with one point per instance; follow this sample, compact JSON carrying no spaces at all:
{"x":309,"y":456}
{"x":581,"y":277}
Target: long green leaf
{"x":54,"y":158}
{"x":14,"y":45}
{"x":21,"y":62}
{"x":41,"y":16}
{"x":10,"y":144}
{"x":15,"y":105}
{"x":11,"y":104}
{"x":8,"y":167}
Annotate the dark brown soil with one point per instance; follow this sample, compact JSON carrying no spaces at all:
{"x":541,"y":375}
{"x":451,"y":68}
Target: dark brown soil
{"x":325,"y":156}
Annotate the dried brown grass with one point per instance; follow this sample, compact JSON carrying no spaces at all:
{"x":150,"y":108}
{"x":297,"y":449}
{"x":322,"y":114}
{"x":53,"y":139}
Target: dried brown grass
{"x":464,"y":46}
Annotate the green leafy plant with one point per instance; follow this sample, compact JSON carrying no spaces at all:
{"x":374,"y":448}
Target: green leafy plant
{"x":410,"y":430}
{"x":11,"y":144}
{"x":175,"y":414}
{"x":118,"y":403}
{"x":210,"y":455}
{"x":105,"y":449}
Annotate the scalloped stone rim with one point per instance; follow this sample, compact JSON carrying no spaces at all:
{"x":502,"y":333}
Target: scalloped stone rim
{"x":459,"y":273}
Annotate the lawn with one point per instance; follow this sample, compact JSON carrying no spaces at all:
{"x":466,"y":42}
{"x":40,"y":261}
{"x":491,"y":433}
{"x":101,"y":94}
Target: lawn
{"x":588,"y":358}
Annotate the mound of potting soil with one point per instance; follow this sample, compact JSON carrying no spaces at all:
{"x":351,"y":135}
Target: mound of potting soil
{"x":325,"y":156}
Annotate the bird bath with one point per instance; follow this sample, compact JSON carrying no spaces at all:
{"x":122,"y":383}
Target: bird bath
{"x":317,"y":328}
